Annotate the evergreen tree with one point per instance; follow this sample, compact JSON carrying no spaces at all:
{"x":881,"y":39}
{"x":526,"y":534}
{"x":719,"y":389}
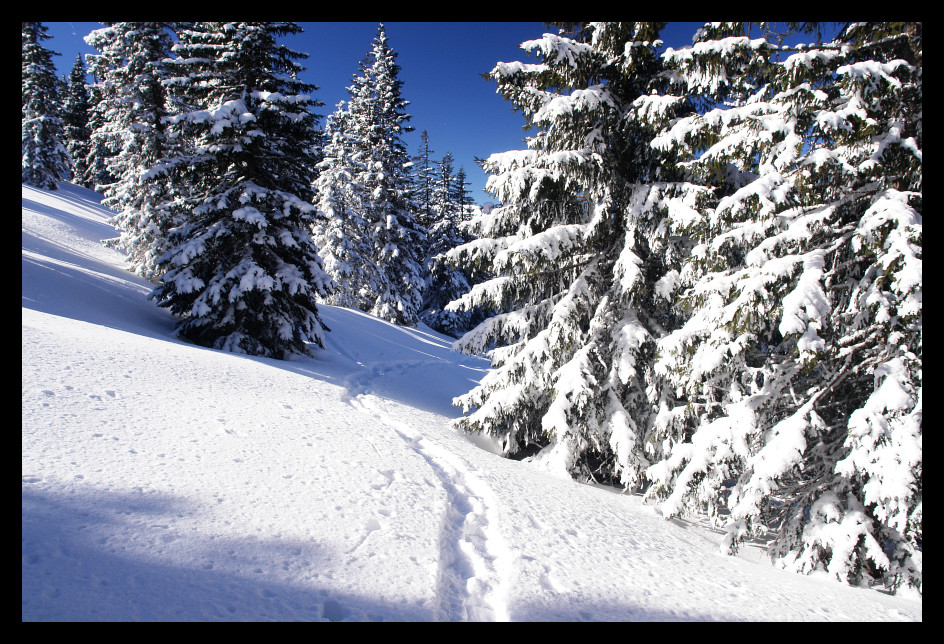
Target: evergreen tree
{"x":734,"y":323}
{"x":75,"y":118}
{"x":45,"y":160}
{"x":575,"y":254}
{"x":460,"y":195}
{"x":376,"y":120}
{"x":341,"y":232}
{"x":423,"y":180}
{"x":444,"y":190}
{"x":446,"y":282}
{"x":242,"y":273}
{"x":97,"y":175}
{"x":130,"y":73}
{"x":444,"y":235}
{"x":800,"y":362}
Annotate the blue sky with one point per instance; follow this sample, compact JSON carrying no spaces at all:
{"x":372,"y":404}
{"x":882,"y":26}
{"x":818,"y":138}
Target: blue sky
{"x":441,"y":66}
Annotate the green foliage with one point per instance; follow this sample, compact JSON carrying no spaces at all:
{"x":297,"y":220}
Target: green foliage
{"x":242,"y":273}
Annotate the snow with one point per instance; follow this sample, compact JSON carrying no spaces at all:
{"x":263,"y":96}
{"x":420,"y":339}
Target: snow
{"x":164,"y":481}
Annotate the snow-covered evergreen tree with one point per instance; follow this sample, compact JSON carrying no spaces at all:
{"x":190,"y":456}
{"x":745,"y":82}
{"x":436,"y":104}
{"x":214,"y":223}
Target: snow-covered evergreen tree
{"x":734,"y":319}
{"x":460,"y":194}
{"x":575,"y":255}
{"x":424,"y":177}
{"x":242,"y":273}
{"x":45,"y":160}
{"x":130,"y":71}
{"x":443,"y":189}
{"x":446,"y":281}
{"x":443,"y":203}
{"x":341,"y":231}
{"x":377,"y":121}
{"x":799,"y":365}
{"x":100,"y":149}
{"x":75,"y":123}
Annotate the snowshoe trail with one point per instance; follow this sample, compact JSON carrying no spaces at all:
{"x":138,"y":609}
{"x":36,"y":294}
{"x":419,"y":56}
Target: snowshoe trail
{"x":473,"y":555}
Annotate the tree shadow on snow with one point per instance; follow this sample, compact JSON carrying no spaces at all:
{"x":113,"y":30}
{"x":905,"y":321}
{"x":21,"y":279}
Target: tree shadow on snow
{"x":603,"y":611}
{"x":107,"y":556}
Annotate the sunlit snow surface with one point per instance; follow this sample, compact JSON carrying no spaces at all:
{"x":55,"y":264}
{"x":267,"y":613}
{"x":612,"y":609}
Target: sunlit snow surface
{"x":164,"y":481}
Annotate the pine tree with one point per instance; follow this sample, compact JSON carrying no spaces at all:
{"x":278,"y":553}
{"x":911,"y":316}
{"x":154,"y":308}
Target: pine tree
{"x":444,"y":189}
{"x":75,"y":119}
{"x":799,"y":365}
{"x":444,"y":233}
{"x":575,"y":254}
{"x":376,"y":121}
{"x":45,"y":160}
{"x":733,"y":324}
{"x":130,"y":72}
{"x":242,"y":273}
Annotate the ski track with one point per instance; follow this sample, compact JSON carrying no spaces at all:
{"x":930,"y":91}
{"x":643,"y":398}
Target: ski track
{"x":473,"y":555}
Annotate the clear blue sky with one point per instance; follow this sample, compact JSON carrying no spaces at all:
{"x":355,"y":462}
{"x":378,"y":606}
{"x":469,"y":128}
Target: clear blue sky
{"x":441,"y":66}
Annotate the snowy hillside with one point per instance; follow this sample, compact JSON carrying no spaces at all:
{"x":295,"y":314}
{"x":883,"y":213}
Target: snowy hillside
{"x":164,"y":481}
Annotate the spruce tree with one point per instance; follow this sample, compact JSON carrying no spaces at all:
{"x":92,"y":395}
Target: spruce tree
{"x":444,"y":189}
{"x":130,"y":71}
{"x":377,"y":121}
{"x":423,"y":175}
{"x":460,"y":194}
{"x":45,"y":160}
{"x":340,"y":232}
{"x":75,"y":119}
{"x":242,"y":273}
{"x":97,"y":175}
{"x":574,"y":255}
{"x":446,"y":282}
{"x":799,"y":366}
{"x":733,"y":323}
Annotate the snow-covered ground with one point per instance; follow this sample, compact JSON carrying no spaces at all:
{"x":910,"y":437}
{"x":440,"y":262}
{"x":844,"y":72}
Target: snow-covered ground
{"x":164,"y":481}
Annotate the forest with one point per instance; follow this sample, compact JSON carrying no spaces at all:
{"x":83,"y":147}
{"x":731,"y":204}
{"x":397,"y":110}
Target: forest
{"x":702,"y":282}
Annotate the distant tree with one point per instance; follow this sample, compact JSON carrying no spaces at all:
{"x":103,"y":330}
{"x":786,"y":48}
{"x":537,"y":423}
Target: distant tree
{"x":75,"y":119}
{"x":45,"y":160}
{"x":423,"y":172}
{"x":460,"y":194}
{"x":445,"y":282}
{"x":242,"y":273}
{"x":444,"y":189}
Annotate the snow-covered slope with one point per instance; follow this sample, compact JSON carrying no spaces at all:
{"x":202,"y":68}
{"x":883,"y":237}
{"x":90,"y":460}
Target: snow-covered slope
{"x":164,"y":481}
